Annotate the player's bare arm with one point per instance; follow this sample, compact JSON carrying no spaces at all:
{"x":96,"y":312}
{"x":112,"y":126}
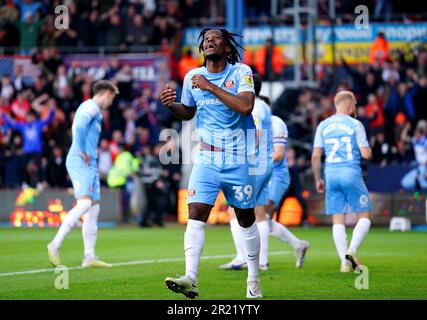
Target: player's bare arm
{"x":366,"y":153}
{"x":316,"y":158}
{"x":278,"y":152}
{"x":242,"y":103}
{"x":85,"y":157}
{"x":168,"y":97}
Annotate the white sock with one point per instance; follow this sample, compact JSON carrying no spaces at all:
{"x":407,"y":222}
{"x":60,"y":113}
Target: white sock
{"x":340,"y":239}
{"x":282,"y":233}
{"x":359,"y":233}
{"x":90,"y":230}
{"x":82,"y":206}
{"x":239,"y":243}
{"x":252,"y":246}
{"x":194,"y":240}
{"x":264,"y":233}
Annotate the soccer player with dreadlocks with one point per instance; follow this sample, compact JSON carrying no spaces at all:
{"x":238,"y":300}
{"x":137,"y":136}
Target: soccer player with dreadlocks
{"x":222,"y":91}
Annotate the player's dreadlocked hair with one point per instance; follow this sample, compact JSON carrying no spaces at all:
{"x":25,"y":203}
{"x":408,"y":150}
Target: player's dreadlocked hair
{"x":233,"y":56}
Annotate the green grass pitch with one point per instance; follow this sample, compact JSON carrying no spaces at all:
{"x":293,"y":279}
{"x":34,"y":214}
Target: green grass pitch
{"x":397,"y":265}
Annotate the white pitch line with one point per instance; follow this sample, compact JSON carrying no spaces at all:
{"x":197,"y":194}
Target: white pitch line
{"x":130,"y":263}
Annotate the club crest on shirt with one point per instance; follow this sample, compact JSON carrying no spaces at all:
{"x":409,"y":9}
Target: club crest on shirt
{"x":191,"y":192}
{"x":249,"y":80}
{"x":228,"y":84}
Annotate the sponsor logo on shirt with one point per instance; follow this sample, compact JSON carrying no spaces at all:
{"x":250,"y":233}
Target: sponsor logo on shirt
{"x":229,"y":84}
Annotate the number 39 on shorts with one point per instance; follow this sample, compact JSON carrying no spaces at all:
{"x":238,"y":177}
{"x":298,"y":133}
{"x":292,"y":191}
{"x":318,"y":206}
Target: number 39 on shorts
{"x":241,"y":191}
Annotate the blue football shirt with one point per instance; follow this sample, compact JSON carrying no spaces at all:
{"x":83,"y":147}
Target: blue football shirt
{"x":86,"y":130}
{"x":341,"y":137}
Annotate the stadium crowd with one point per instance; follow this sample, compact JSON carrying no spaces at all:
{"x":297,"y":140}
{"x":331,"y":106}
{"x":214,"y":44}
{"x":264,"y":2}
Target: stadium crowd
{"x":36,"y":114}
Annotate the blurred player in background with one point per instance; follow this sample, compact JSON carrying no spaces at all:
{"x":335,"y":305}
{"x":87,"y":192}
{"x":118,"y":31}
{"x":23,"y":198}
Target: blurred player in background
{"x":264,"y":142}
{"x":82,"y":168}
{"x":271,"y":187}
{"x":344,"y":140}
{"x":222,"y":91}
{"x":277,"y":187}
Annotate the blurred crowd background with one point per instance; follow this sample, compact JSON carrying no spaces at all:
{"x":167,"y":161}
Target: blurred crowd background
{"x":37,"y":112}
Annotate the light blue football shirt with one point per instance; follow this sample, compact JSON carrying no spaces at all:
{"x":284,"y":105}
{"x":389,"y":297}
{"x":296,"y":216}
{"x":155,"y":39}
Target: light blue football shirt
{"x":341,"y":136}
{"x":217,"y":124}
{"x":86,"y":130}
{"x":262,"y":119}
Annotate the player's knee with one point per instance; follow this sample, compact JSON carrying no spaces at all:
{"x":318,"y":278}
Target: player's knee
{"x":246,"y":217}
{"x":199,"y":211}
{"x":366,"y":215}
{"x":270,"y":209}
{"x":84,"y":203}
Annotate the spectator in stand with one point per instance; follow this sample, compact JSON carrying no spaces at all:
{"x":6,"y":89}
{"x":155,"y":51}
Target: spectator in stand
{"x":421,"y":63}
{"x":420,"y":98}
{"x":32,"y":133}
{"x":326,"y":109}
{"x":114,"y":147}
{"x":155,"y":179}
{"x":61,"y":82}
{"x":7,"y":89}
{"x":401,"y":100}
{"x":269,"y":61}
{"x":113,"y":68}
{"x":379,"y":50}
{"x":28,"y":7}
{"x":41,"y":86}
{"x":130,"y":129}
{"x":47,"y":33}
{"x":12,"y":159}
{"x":51,"y":60}
{"x":364,"y":119}
{"x":8,"y":11}
{"x":374,"y":113}
{"x":20,"y":80}
{"x":56,"y":173}
{"x":29,"y":30}
{"x":163,"y":32}
{"x":389,"y":71}
{"x":381,"y":150}
{"x":186,"y":63}
{"x":105,"y":161}
{"x":115,"y":32}
{"x":383,"y":9}
{"x":139,"y":33}
{"x":193,"y":9}
{"x":21,"y":106}
{"x":67,"y":37}
{"x":120,"y":176}
{"x":364,"y":82}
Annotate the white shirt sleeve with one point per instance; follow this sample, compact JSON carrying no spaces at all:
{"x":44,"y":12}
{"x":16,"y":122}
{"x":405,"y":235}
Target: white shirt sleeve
{"x":280,"y":131}
{"x":245,"y":78}
{"x":318,"y":139}
{"x":187,"y":98}
{"x":258,"y":114}
{"x":362,"y":140}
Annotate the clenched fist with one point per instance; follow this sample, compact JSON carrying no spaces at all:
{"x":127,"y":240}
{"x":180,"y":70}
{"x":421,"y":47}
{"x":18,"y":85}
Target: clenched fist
{"x":320,"y":186}
{"x":168,"y":96}
{"x":199,"y":81}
